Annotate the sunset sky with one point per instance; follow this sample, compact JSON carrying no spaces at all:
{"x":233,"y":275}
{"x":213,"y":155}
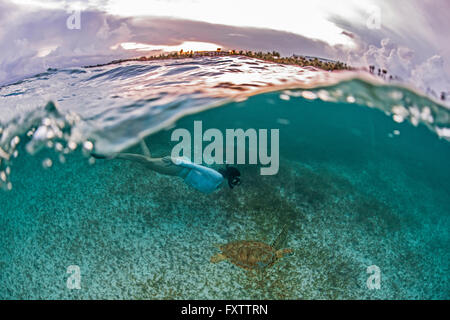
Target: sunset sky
{"x":409,"y":37}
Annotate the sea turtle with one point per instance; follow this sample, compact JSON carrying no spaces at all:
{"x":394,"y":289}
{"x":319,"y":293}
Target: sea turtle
{"x":253,"y":255}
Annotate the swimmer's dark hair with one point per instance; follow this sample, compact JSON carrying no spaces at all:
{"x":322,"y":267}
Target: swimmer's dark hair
{"x":232,"y":175}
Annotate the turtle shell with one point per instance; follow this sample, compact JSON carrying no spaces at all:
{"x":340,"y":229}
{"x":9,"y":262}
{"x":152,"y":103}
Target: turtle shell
{"x":249,"y":254}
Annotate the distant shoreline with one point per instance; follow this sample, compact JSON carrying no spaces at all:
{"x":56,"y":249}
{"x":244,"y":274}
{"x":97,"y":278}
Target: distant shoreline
{"x":302,"y":61}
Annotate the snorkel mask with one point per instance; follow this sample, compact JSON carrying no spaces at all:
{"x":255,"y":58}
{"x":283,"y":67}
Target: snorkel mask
{"x":232,"y":175}
{"x":235,"y":181}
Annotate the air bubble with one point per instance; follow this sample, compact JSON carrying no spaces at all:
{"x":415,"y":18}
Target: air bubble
{"x":309,"y":95}
{"x":88,"y":145}
{"x":323,"y":95}
{"x":283,"y":121}
{"x":46,"y":122}
{"x":47,"y":163}
{"x":15,"y":141}
{"x":351,"y":99}
{"x":284,"y":97}
{"x":59,"y":146}
{"x":396,"y":95}
{"x":50,"y":134}
{"x":398,"y":118}
{"x":426,"y":115}
{"x":72,"y":145}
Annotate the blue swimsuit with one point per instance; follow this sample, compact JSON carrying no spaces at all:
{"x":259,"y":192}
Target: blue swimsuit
{"x":202,"y":178}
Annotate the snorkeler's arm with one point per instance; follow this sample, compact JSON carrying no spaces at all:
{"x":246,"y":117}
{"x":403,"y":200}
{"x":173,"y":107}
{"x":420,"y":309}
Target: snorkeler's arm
{"x":205,"y":170}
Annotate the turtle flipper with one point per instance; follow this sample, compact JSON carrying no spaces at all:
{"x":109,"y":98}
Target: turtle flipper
{"x":279,"y":242}
{"x":217,"y":258}
{"x":283,"y":252}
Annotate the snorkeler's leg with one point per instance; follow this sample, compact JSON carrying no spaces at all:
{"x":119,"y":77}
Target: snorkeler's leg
{"x":144,"y":148}
{"x":160,"y":165}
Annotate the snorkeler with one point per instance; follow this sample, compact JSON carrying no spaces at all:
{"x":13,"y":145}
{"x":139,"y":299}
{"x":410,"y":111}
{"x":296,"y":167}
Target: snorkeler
{"x":202,"y":178}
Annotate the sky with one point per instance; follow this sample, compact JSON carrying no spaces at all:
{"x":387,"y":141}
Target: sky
{"x":407,"y":37}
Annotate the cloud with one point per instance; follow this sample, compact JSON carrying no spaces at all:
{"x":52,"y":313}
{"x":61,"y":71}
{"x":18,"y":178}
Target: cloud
{"x":421,"y":25}
{"x":411,"y":43}
{"x":33,"y":40}
{"x":36,"y":40}
{"x":430,"y":75}
{"x":399,"y":61}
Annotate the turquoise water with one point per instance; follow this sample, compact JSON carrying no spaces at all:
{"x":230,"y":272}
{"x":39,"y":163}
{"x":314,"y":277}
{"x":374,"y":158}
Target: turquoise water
{"x":356,"y":186}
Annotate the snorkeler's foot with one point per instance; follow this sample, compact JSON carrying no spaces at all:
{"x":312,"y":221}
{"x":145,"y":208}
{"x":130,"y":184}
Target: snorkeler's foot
{"x":145,"y":148}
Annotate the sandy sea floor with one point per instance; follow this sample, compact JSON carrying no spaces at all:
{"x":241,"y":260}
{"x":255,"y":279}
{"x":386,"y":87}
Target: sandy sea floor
{"x":139,"y":235}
